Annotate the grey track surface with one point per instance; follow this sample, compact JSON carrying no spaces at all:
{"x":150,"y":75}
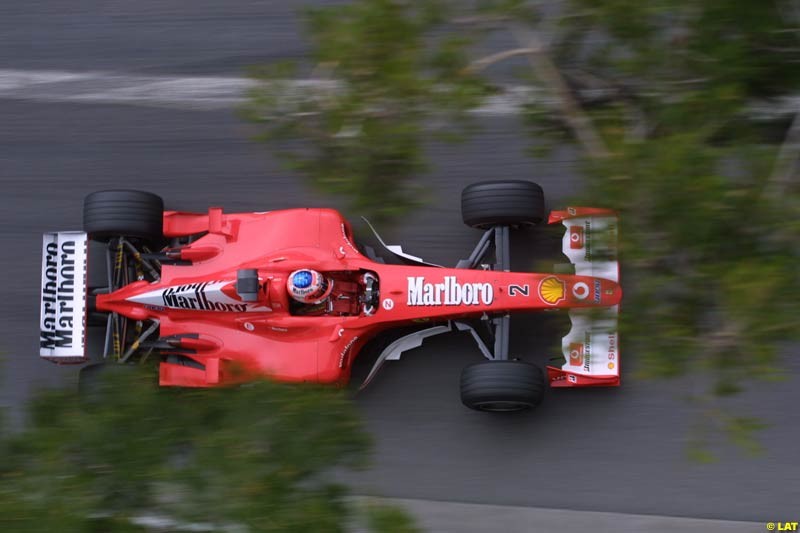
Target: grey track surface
{"x":617,"y":451}
{"x":435,"y":516}
{"x":172,"y":36}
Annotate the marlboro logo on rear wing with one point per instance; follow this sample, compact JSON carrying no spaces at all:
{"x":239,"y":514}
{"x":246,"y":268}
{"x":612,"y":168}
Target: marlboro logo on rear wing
{"x":62,"y":325}
{"x":591,"y":348}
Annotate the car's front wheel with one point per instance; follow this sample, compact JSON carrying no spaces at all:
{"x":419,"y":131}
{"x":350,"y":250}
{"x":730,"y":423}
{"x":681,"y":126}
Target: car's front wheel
{"x":502,"y":386}
{"x":502,"y":203}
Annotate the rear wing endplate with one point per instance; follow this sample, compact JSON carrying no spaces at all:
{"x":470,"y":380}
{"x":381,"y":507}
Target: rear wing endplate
{"x":62,"y":322}
{"x":591,"y":348}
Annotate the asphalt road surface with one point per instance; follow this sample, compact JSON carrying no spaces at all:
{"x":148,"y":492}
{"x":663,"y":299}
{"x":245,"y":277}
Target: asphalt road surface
{"x":621,"y":451}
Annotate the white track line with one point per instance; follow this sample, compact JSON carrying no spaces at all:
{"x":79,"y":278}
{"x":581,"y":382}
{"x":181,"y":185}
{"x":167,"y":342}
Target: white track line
{"x":446,"y":517}
{"x":186,"y":92}
{"x":223,"y":92}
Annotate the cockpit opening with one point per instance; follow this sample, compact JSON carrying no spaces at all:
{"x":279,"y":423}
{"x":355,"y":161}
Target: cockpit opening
{"x":348,"y":293}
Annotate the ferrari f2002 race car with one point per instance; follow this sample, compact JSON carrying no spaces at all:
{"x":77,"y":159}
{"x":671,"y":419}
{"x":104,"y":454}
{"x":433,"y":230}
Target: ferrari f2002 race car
{"x":222,"y":298}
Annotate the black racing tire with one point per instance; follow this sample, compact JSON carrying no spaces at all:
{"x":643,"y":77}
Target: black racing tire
{"x":502,"y":203}
{"x":125,"y":213}
{"x":502,"y":386}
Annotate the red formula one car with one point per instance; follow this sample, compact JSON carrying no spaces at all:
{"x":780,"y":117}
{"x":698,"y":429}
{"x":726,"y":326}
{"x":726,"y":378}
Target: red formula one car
{"x":223,"y":298}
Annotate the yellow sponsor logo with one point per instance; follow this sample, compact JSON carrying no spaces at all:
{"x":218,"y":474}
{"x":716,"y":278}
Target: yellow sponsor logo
{"x":552,"y":289}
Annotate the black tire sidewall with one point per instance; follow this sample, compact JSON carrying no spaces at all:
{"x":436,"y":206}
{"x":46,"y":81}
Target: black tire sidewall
{"x":127,"y":213}
{"x":518,"y":385}
{"x":505,"y":202}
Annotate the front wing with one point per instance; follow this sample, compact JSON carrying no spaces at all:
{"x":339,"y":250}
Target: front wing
{"x":591,"y":348}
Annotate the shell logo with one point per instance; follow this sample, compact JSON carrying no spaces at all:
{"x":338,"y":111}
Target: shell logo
{"x":551,"y":290}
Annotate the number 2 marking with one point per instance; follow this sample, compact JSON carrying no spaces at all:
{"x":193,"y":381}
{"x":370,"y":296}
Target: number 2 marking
{"x":514,"y":290}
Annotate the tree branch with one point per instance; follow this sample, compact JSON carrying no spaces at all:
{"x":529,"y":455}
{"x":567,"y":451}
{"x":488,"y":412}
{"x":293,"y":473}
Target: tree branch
{"x":480,"y":64}
{"x":546,"y":70}
{"x":786,"y":162}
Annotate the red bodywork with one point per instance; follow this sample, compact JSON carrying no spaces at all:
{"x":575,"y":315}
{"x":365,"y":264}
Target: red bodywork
{"x":237,"y":341}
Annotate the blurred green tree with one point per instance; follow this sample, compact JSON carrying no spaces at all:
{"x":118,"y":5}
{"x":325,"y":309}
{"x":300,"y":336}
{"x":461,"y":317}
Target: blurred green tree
{"x":133,"y":457}
{"x":385,"y":80}
{"x":685,"y":114}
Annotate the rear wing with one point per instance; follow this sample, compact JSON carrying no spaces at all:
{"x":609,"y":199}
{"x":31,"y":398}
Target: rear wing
{"x":62,"y":322}
{"x":591,"y":348}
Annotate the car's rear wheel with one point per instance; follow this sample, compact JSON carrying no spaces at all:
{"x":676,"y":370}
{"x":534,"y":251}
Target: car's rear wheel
{"x":502,"y":203}
{"x":126,"y":213}
{"x":502,"y":386}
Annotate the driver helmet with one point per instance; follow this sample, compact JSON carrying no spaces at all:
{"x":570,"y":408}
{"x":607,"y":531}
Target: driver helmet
{"x":308,"y":286}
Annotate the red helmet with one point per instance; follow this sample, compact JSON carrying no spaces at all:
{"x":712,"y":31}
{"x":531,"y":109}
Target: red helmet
{"x":308,"y":286}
